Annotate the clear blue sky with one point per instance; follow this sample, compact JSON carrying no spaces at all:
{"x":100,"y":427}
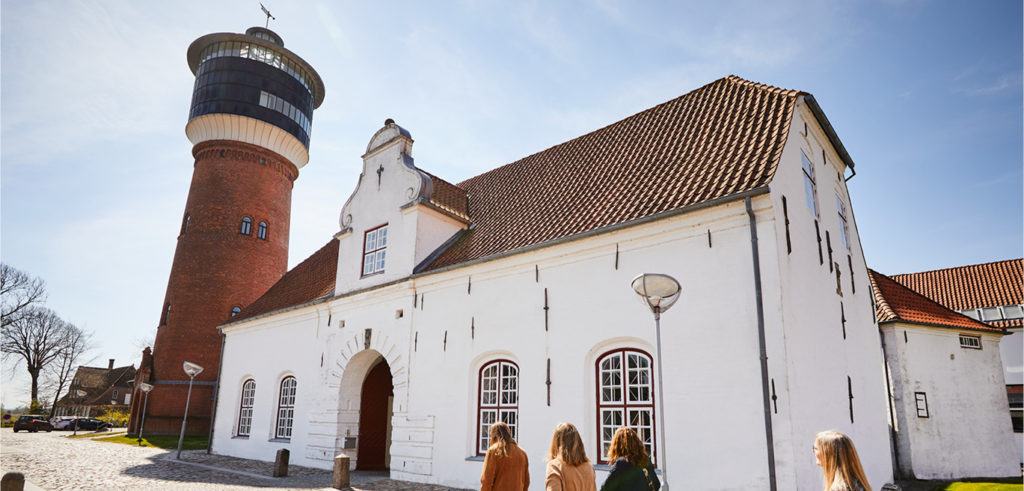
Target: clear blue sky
{"x":926,"y":96}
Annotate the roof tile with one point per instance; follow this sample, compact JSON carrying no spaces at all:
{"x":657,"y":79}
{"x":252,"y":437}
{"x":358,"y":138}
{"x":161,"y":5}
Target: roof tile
{"x":311,"y":279}
{"x":973,"y":286}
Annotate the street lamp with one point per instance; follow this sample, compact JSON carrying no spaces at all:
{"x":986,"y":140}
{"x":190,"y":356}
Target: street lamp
{"x":78,"y":409}
{"x":191,"y":369}
{"x":659,"y":292}
{"x":145,"y":388}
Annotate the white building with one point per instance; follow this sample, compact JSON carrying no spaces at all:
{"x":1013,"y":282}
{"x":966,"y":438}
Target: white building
{"x":443,"y":307}
{"x":994,"y":294}
{"x":947,"y":388}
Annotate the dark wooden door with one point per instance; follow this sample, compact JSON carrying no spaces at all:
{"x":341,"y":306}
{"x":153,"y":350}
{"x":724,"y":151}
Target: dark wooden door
{"x":373,"y":418}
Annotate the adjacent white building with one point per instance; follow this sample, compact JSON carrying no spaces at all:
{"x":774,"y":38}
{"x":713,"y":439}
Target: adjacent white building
{"x":947,"y":388}
{"x":446,"y":307}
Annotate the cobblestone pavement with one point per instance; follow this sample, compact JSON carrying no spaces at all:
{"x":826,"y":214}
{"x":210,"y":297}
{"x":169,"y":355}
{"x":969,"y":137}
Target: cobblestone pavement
{"x":52,"y":461}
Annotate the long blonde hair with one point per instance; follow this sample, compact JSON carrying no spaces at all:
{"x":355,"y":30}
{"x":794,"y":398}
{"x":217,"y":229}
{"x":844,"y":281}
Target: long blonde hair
{"x":839,"y":456}
{"x":501,"y":438}
{"x":567,"y":445}
{"x":626,"y":444}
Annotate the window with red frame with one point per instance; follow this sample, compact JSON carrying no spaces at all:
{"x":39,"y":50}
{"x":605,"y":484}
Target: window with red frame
{"x":498,"y":400}
{"x":375,"y":244}
{"x":245,"y":407}
{"x":625,"y":397}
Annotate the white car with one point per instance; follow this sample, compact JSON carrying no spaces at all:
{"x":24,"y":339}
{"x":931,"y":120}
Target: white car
{"x":62,"y":422}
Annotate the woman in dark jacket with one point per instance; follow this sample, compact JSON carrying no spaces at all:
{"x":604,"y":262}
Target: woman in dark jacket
{"x":631,"y":466}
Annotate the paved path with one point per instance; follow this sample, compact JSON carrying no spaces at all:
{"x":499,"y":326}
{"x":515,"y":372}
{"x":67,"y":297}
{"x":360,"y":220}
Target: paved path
{"x":53,"y":462}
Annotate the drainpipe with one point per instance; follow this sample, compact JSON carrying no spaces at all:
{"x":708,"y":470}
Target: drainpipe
{"x":761,"y":342}
{"x":893,"y":443}
{"x":216,"y":393}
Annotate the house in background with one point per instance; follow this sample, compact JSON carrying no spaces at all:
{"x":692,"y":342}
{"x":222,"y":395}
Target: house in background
{"x":102,"y":387}
{"x":440,"y":308}
{"x":992,"y":293}
{"x":946,"y":386}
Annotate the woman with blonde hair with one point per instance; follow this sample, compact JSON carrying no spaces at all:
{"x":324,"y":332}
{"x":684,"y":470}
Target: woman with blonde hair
{"x":631,"y":466}
{"x":568,"y":468}
{"x":506,"y":467}
{"x":837,"y":456}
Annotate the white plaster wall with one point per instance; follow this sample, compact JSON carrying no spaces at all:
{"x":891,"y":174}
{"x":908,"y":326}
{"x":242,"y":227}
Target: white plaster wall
{"x":804,"y":316}
{"x":713,"y":396}
{"x":967,"y":432}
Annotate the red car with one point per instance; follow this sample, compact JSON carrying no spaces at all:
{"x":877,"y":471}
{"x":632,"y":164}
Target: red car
{"x":32,"y":423}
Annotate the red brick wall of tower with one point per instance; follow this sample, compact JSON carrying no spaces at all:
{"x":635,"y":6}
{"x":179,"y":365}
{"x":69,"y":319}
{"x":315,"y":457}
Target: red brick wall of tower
{"x":216,"y":268}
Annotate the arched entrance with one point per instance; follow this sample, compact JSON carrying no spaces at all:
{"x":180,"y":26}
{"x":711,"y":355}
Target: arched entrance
{"x":375,"y":409}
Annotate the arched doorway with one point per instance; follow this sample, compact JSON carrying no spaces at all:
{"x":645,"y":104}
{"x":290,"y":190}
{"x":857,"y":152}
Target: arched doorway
{"x":375,"y":408}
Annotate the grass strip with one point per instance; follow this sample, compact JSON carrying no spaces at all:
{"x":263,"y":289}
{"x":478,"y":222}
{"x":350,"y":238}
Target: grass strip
{"x":169,"y":442}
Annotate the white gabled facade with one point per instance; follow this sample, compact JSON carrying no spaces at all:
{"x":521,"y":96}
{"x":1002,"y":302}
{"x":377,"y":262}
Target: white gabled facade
{"x":950,"y":403}
{"x":567,"y":304}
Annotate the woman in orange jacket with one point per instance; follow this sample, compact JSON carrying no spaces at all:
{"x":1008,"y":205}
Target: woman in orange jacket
{"x":506,"y":467}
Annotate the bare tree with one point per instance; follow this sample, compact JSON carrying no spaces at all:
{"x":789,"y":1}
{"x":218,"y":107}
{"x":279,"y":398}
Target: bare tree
{"x":77,"y":341}
{"x":37,"y":336}
{"x":18,"y":292}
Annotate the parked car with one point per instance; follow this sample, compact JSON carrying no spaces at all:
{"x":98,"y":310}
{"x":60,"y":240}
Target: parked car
{"x":88,"y":424}
{"x":62,"y":422}
{"x":32,"y":423}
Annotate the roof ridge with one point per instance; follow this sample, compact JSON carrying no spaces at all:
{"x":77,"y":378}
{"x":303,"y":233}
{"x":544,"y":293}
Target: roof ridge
{"x":726,"y":79}
{"x":963,"y":266}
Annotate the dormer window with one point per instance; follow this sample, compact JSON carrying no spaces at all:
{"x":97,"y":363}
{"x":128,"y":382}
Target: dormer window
{"x":375,"y":244}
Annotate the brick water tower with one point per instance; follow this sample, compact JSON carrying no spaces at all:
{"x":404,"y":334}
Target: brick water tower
{"x":252,"y":110}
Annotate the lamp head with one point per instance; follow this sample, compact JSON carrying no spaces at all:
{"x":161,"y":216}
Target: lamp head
{"x":657,"y":291}
{"x":191,"y":369}
{"x":145,"y":387}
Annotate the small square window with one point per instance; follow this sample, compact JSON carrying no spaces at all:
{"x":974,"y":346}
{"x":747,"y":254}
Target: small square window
{"x":973,"y":342}
{"x":921,"y":399}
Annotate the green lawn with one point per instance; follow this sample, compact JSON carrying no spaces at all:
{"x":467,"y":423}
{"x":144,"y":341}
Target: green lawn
{"x":161,"y":441}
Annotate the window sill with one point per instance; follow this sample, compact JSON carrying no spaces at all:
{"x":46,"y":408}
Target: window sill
{"x":240,"y":437}
{"x":606,"y":467}
{"x":280,"y":440}
{"x":474,"y":458}
{"x":372,"y":274}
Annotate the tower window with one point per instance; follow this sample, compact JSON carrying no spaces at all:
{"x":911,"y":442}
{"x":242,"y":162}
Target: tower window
{"x":235,"y":310}
{"x":261,"y":231}
{"x":167,"y":313}
{"x":375,"y":244}
{"x":184,"y":223}
{"x":246,"y":226}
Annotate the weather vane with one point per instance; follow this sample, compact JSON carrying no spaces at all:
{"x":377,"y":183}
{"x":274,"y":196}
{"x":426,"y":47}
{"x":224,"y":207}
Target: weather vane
{"x":265,"y":11}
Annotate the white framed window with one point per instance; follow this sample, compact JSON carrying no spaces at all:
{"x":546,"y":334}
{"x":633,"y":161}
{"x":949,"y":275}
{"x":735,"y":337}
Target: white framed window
{"x":810,"y":185}
{"x":245,"y":407}
{"x":1012,"y":312}
{"x":968,"y":341}
{"x":844,"y":223}
{"x":625,"y":397}
{"x":286,"y":409}
{"x":498,"y":400}
{"x":972,"y":313}
{"x":375,"y":244}
{"x":991,"y":314}
{"x":921,"y":399}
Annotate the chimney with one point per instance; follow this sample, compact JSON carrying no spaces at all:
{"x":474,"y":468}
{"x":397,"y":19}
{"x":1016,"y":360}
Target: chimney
{"x":111,"y":365}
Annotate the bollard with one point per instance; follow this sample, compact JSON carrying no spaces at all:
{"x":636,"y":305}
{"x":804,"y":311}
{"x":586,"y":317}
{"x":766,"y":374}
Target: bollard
{"x":281,"y":463}
{"x":341,"y":478}
{"x":12,"y":481}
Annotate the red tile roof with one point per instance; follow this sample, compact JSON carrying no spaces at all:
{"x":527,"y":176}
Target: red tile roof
{"x":716,"y":141}
{"x":721,"y":139}
{"x":311,"y":279}
{"x":897,"y":303}
{"x":971,"y":287}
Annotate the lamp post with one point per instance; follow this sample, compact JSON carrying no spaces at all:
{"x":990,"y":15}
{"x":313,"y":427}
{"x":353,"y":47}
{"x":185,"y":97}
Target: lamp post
{"x":659,"y":292}
{"x":79,"y":394}
{"x":191,"y":369}
{"x":145,"y":388}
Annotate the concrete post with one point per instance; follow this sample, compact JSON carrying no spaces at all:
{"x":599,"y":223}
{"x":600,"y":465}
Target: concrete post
{"x":341,"y":476}
{"x":12,"y":481}
{"x":281,"y":463}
